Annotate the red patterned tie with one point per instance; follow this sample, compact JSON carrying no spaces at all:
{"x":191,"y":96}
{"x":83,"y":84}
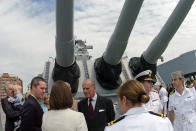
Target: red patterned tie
{"x":90,"y":109}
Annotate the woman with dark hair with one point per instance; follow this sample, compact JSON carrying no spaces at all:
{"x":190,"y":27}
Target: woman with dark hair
{"x":61,"y":117}
{"x":135,"y":118}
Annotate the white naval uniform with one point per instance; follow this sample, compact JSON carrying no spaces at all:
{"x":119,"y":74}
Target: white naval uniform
{"x":154,"y":104}
{"x":163,"y":95}
{"x":138,"y":119}
{"x":184,"y":107}
{"x":164,"y":98}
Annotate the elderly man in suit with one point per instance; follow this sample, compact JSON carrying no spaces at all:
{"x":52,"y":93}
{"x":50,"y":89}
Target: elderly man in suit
{"x":32,"y":112}
{"x":11,"y":114}
{"x":98,"y":110}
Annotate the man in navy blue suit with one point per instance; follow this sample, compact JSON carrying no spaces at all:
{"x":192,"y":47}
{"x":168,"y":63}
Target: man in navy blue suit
{"x":11,"y":114}
{"x":32,"y":112}
{"x":98,"y":110}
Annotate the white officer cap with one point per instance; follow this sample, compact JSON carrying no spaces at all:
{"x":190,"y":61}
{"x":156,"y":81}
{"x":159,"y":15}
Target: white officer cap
{"x":144,"y":76}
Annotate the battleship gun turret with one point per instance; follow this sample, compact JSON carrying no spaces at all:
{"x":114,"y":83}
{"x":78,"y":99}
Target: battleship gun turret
{"x":73,"y":64}
{"x":109,"y":67}
{"x":148,"y":59}
{"x":65,"y":67}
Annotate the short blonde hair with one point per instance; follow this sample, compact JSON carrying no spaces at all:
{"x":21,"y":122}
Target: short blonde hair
{"x":17,"y":87}
{"x":178,"y":74}
{"x":26,"y":95}
{"x":46,"y":96}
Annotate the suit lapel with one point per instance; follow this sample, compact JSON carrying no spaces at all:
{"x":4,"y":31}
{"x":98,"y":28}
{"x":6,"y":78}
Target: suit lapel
{"x":86,"y":107}
{"x":97,"y":106}
{"x":33,"y":99}
{"x":36,"y":102}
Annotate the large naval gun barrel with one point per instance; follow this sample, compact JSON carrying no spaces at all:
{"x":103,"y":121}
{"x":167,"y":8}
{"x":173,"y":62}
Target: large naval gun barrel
{"x":108,"y":68}
{"x":65,"y":67}
{"x":148,"y":59}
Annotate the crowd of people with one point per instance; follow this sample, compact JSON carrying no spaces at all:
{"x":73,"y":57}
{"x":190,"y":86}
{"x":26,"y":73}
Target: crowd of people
{"x":142,"y":107}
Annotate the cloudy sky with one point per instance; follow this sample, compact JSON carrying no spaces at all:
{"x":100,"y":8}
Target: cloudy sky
{"x":27,"y":31}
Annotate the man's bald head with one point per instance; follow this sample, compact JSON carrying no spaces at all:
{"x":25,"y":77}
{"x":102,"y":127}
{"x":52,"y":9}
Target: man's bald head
{"x":89,"y":81}
{"x":9,"y":90}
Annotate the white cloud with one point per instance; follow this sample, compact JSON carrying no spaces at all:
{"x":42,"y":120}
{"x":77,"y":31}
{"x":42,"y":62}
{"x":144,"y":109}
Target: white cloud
{"x":27,"y":31}
{"x":26,"y":39}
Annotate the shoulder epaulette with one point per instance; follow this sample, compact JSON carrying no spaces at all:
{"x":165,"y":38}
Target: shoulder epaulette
{"x":172,"y":92}
{"x":189,"y":86}
{"x":114,"y":121}
{"x":158,"y":114}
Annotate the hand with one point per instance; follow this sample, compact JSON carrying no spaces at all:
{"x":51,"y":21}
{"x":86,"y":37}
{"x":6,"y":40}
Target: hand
{"x":9,"y":100}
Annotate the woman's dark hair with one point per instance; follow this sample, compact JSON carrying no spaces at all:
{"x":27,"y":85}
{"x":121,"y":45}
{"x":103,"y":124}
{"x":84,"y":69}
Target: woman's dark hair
{"x":60,"y":96}
{"x":134,"y":91}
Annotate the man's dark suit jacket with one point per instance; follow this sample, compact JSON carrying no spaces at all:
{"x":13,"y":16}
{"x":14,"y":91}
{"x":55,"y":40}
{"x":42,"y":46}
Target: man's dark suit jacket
{"x":32,"y":114}
{"x":102,"y":114}
{"x":11,"y":114}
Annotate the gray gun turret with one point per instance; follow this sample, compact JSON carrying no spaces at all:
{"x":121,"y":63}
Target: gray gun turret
{"x":108,"y":68}
{"x":65,"y":67}
{"x":149,"y":57}
{"x":111,"y":69}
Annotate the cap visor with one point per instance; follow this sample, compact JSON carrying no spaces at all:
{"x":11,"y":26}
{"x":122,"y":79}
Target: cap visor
{"x":148,"y":79}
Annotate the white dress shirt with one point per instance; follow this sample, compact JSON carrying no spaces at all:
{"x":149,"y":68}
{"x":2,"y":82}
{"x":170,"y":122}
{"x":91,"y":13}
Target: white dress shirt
{"x":163,"y":95}
{"x":154,"y":104}
{"x":93,"y":101}
{"x":184,"y":107}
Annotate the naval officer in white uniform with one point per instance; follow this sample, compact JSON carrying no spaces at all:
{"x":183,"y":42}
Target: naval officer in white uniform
{"x":135,"y":118}
{"x":163,"y":95}
{"x":154,"y":103}
{"x":182,"y":104}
